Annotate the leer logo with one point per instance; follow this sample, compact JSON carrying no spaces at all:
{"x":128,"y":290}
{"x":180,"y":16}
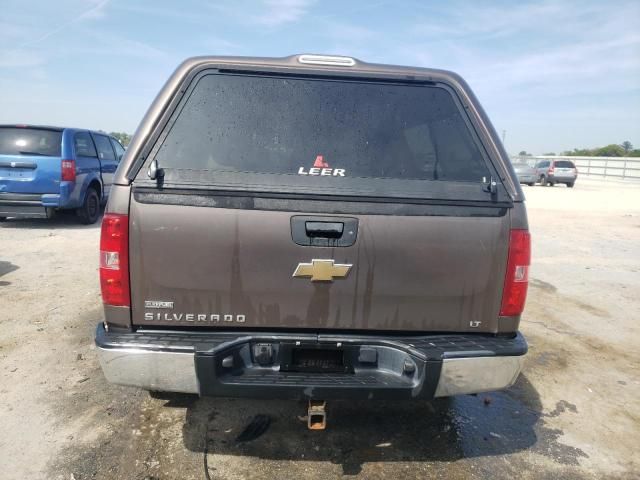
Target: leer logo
{"x":321,"y":168}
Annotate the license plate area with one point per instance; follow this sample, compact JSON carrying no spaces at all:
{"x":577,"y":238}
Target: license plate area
{"x":312,"y":358}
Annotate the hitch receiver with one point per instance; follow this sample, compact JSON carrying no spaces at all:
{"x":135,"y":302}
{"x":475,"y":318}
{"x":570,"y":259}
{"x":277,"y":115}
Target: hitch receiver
{"x":317,"y":415}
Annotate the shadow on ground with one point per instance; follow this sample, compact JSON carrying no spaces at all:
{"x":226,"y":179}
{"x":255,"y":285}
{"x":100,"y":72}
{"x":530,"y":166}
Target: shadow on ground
{"x":443,"y":430}
{"x":6,"y":267}
{"x":62,"y":219}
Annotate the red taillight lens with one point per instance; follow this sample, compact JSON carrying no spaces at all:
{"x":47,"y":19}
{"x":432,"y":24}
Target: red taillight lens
{"x":68,"y":170}
{"x":516,"y":279}
{"x":114,"y":260}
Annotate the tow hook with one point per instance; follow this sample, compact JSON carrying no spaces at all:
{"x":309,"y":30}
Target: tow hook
{"x":317,"y":415}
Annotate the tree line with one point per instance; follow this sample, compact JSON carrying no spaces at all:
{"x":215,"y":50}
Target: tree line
{"x":625,"y":149}
{"x":123,"y":138}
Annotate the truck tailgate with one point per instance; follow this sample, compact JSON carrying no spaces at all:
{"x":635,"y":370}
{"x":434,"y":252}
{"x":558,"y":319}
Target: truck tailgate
{"x":198,"y":266}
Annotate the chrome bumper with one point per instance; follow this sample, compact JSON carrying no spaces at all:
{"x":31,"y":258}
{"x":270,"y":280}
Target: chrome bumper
{"x":151,"y":370}
{"x":478,"y":374}
{"x":176,"y":371}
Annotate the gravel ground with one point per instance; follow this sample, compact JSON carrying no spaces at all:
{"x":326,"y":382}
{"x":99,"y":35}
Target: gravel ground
{"x":574,"y":413}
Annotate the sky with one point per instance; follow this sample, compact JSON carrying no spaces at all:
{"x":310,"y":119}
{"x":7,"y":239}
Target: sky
{"x":552,"y":76}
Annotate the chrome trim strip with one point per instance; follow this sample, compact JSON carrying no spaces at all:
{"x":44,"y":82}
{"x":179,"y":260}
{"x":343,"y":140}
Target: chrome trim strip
{"x":474,"y":375}
{"x":151,"y":370}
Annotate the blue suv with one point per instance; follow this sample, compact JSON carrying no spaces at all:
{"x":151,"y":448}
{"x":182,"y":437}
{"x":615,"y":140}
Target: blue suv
{"x":44,"y":169}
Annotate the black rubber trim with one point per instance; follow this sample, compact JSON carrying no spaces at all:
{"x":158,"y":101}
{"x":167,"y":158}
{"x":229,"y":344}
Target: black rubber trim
{"x":20,"y":199}
{"x":318,"y":203}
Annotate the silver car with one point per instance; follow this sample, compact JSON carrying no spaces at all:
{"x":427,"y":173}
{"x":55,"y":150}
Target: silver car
{"x":551,"y":172}
{"x":526,"y":173}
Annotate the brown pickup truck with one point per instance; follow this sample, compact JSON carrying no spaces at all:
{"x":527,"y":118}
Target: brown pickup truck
{"x":314,"y":227}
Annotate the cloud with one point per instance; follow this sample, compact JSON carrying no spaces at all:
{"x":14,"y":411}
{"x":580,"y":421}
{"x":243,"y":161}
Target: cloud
{"x":19,"y":59}
{"x":280,"y":12}
{"x":95,"y":11}
{"x":101,"y":42}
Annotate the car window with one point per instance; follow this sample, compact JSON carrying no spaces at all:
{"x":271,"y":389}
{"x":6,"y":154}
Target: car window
{"x":564,"y":164}
{"x":118,"y":148}
{"x":105,"y":150}
{"x":30,"y":141}
{"x":84,"y":145}
{"x":340,"y":134}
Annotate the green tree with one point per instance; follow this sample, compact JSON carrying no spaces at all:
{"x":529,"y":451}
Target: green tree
{"x":610,"y":151}
{"x":580,"y":152}
{"x":524,"y":154}
{"x":123,"y":138}
{"x":626,"y":145}
{"x":551,"y":154}
{"x":635,"y":152}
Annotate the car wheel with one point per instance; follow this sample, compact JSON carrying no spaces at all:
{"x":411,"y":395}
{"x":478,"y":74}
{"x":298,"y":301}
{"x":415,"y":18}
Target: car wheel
{"x":90,"y":210}
{"x":551,"y":184}
{"x":531,"y":184}
{"x":570,"y":185}
{"x":543,"y":180}
{"x":3,"y":219}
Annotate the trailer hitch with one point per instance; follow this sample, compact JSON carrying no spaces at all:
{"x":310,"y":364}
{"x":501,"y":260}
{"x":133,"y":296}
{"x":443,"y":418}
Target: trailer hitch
{"x":317,"y":415}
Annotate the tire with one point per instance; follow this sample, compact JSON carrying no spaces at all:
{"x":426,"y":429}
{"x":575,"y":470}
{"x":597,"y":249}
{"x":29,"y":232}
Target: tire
{"x":543,"y":180}
{"x":570,"y":185}
{"x":3,"y":219}
{"x":89,"y":213}
{"x":531,"y":184}
{"x":551,"y":184}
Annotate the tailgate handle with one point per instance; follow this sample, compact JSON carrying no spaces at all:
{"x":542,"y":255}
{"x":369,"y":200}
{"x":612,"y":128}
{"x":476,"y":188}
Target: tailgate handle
{"x":324,"y":229}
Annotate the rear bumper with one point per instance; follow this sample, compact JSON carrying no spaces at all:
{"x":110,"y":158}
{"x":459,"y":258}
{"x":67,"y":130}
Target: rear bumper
{"x":527,"y":178}
{"x":563,"y":178}
{"x":381,"y":367}
{"x":34,"y":204}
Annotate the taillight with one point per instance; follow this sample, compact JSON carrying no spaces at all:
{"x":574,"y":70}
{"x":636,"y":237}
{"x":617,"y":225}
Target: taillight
{"x":516,"y":279}
{"x":68,"y":171}
{"x":114,"y":260}
{"x":551,"y":168}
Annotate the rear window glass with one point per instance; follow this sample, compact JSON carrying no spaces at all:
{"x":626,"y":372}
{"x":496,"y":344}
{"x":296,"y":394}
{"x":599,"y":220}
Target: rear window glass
{"x":30,"y":141}
{"x":321,"y":133}
{"x":563,"y":164}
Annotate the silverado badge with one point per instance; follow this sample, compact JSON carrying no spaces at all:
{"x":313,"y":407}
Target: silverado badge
{"x":322,"y":270}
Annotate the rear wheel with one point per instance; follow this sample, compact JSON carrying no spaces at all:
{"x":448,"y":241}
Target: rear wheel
{"x":90,"y":210}
{"x":3,"y":219}
{"x":570,"y":184}
{"x":531,"y":184}
{"x":543,"y":180}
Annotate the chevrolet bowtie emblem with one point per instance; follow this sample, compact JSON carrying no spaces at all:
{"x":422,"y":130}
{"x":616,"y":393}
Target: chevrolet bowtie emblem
{"x":322,"y":270}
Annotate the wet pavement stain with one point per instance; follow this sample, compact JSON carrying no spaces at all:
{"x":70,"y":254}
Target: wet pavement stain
{"x":561,"y":407}
{"x":459,"y":435}
{"x":442,"y":430}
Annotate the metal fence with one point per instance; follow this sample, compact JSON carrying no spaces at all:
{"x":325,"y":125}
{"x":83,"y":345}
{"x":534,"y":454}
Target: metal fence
{"x":622,"y":168}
